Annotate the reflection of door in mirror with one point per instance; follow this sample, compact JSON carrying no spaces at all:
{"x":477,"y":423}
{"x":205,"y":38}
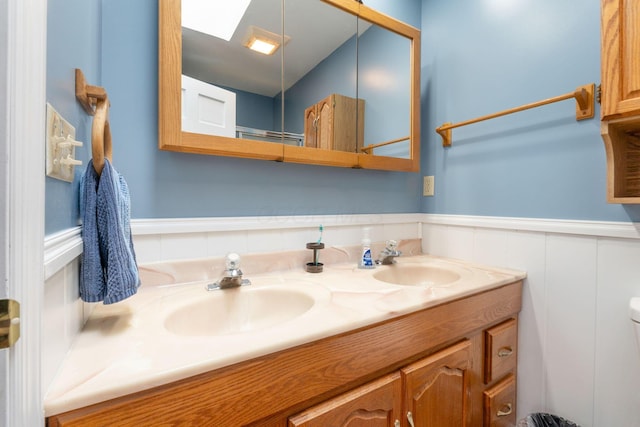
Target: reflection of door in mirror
{"x":384,"y":81}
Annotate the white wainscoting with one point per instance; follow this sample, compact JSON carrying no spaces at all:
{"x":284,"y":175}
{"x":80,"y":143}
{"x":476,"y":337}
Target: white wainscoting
{"x":577,"y":354}
{"x":163,"y":240}
{"x":63,"y":313}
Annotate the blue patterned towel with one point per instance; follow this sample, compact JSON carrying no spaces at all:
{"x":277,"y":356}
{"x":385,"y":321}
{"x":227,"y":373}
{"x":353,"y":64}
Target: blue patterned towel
{"x":109,"y":271}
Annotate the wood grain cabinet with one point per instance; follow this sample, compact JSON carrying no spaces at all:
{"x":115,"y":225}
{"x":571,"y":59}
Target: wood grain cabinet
{"x":499,"y":403}
{"x":437,"y":388}
{"x":620,"y":60}
{"x":335,"y":123}
{"x":437,"y":391}
{"x":377,"y":404}
{"x":620,"y":98}
{"x":424,"y":369}
{"x":434,"y":391}
{"x":500,"y":363}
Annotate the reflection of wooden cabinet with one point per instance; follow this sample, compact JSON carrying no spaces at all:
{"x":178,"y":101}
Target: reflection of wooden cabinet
{"x":335,"y":123}
{"x":620,"y":75}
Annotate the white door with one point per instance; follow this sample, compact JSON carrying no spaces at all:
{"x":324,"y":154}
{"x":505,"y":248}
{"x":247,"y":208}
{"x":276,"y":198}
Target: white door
{"x":207,"y":108}
{"x":22,"y":121}
{"x":4,"y":244}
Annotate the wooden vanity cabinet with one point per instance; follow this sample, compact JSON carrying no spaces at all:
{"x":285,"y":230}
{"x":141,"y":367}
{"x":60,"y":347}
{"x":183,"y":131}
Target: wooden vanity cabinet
{"x":331,"y":124}
{"x":620,"y":98}
{"x":470,"y":383}
{"x":434,"y":391}
{"x":431,"y":362}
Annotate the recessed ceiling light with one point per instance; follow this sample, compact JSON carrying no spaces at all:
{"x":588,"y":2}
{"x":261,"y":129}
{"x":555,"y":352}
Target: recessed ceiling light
{"x":218,"y":18}
{"x":263,"y":46}
{"x":263,"y":41}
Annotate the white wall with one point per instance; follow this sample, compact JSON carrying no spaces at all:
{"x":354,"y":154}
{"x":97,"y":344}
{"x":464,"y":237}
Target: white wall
{"x":577,"y":355}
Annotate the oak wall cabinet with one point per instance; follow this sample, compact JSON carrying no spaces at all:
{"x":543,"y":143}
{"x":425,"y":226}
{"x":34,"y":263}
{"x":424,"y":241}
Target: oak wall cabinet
{"x":335,"y":123}
{"x":620,"y":98}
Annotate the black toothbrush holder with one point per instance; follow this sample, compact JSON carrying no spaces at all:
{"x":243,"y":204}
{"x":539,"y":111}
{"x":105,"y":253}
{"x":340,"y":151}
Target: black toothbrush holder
{"x":315,"y":266}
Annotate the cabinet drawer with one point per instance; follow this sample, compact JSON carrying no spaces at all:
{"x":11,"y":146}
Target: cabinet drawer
{"x":500,"y":403}
{"x":500,"y":345}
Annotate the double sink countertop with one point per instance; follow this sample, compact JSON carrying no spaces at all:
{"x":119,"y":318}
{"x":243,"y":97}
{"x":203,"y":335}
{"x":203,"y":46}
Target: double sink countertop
{"x":173,"y":328}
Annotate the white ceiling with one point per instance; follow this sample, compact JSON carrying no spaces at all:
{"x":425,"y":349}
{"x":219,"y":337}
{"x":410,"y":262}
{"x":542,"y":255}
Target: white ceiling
{"x":316,"y":29}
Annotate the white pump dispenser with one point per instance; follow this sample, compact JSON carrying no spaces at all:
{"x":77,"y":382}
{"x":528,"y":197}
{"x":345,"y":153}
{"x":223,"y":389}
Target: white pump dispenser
{"x":366,"y":261}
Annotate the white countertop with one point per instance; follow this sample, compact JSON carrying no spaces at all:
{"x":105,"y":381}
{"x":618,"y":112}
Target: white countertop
{"x":125,"y":348}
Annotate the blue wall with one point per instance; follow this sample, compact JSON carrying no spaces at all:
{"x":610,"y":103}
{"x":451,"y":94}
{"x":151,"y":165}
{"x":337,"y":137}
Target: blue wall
{"x":480,"y":57}
{"x":477,"y":58}
{"x":73,"y":41}
{"x":166,"y":184}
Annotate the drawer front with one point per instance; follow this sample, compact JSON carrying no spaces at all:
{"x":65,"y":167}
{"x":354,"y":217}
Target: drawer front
{"x":500,"y":403}
{"x":500,"y":350}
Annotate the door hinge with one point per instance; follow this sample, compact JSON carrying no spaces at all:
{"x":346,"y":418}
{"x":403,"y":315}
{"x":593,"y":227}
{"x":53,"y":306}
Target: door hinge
{"x":9,"y":322}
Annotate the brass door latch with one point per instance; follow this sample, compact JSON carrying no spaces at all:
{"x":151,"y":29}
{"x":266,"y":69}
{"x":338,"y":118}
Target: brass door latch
{"x":9,"y":322}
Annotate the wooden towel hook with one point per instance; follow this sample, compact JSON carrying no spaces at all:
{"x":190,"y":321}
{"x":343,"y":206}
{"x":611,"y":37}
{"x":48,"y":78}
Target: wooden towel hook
{"x":95,"y":102}
{"x":101,"y":147}
{"x":88,"y":95}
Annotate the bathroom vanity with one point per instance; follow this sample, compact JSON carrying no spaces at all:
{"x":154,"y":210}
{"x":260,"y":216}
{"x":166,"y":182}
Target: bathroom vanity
{"x":436,"y":354}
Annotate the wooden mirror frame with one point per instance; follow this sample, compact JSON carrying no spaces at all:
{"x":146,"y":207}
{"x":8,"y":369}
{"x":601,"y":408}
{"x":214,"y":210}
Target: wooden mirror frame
{"x":172,"y":138}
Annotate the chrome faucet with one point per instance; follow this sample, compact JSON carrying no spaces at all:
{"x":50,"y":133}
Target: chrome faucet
{"x":232,"y":276}
{"x":389,"y":254}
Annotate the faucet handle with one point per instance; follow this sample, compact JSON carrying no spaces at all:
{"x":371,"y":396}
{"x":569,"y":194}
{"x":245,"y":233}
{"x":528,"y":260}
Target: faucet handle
{"x":392,"y":245}
{"x":232,"y":261}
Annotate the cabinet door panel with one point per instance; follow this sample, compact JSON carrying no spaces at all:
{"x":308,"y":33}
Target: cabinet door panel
{"x":310,"y":130}
{"x":376,"y":404}
{"x":437,"y":388}
{"x":325,"y":123}
{"x":620,"y":72}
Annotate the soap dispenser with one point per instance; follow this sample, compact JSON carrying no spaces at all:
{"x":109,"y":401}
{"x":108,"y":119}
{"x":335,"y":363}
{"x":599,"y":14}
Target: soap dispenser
{"x":366,"y":261}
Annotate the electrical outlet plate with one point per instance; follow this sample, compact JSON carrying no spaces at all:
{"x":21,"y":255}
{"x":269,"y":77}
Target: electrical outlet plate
{"x":428,"y":186}
{"x":61,"y":146}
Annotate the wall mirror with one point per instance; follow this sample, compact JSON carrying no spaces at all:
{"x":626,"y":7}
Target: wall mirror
{"x":342,"y":69}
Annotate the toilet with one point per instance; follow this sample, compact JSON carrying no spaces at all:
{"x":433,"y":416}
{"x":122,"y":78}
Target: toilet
{"x":634,"y":311}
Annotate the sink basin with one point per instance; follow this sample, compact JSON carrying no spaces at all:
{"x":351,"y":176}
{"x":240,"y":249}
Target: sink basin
{"x":416,"y":275}
{"x":238,"y":310}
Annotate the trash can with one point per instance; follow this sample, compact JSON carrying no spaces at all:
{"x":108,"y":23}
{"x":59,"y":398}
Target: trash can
{"x":541,"y":419}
